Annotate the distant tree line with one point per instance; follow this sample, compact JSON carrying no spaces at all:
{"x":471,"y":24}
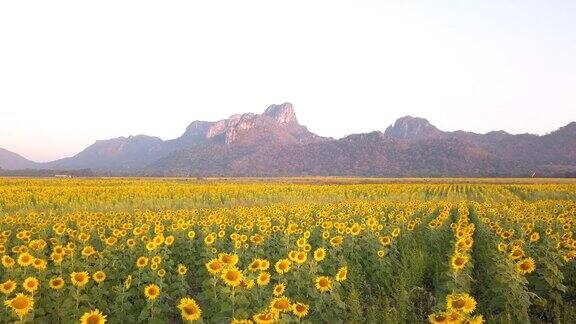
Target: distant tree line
{"x":46,"y":173}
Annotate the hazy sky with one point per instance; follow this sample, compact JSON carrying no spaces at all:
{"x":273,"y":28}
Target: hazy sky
{"x":72,"y":72}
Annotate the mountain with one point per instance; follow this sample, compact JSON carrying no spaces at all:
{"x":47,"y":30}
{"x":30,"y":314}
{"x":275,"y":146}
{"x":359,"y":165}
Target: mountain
{"x":412,"y":128}
{"x":274,"y":143}
{"x":12,"y":161}
{"x":278,"y":125}
{"x":121,"y":154}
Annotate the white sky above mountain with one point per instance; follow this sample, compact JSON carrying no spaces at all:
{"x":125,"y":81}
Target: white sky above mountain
{"x":72,"y":72}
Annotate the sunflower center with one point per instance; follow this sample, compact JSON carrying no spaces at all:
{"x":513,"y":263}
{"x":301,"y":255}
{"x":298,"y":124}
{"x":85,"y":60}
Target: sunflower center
{"x":189,"y":310}
{"x":20,"y":303}
{"x":440,"y":318}
{"x":93,"y":319}
{"x":281,"y":304}
{"x":232,"y":276}
{"x":459,"y":303}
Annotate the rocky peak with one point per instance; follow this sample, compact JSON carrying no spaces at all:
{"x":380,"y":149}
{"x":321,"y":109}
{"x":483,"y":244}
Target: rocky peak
{"x":280,"y":115}
{"x":283,"y":114}
{"x":196,"y":130}
{"x":409,"y":127}
{"x":231,"y":126}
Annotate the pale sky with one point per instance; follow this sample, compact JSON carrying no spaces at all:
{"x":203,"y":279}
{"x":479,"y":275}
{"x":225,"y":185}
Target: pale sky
{"x":72,"y":72}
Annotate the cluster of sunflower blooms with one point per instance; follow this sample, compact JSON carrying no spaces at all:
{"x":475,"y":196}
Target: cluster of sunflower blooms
{"x":459,"y":309}
{"x":514,"y":248}
{"x":459,"y":306}
{"x":463,"y":231}
{"x":260,"y":272}
{"x":442,"y":216}
{"x":522,"y":223}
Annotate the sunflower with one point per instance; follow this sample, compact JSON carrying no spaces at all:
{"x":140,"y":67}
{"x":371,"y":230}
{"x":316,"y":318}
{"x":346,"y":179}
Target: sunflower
{"x":79,"y":279}
{"x":141,"y":262}
{"x":264,"y":264}
{"x":232,"y":277}
{"x":182,"y":269}
{"x":319,"y":254}
{"x":263,"y":278}
{"x":227,"y":259}
{"x":7,"y":261}
{"x":458,"y":261}
{"x":7,"y":287}
{"x":150,"y":246}
{"x":300,"y":309}
{"x":99,"y":276}
{"x":209,"y":239}
{"x":39,"y":264}
{"x":214,"y":266}
{"x":282,"y":266}
{"x":385,"y":240}
{"x":30,"y":284}
{"x":189,"y":309}
{"x":169,"y":240}
{"x":157,"y":259}
{"x":111,"y":241}
{"x":280,"y":305}
{"x":323,"y":283}
{"x":83,"y":237}
{"x":460,"y":303}
{"x":516,"y":253}
{"x":255,"y":265}
{"x":152,"y":292}
{"x":21,"y":304}
{"x":87,"y":251}
{"x":526,"y":266}
{"x":279,"y":289}
{"x":301,"y":257}
{"x":336,"y":240}
{"x":56,"y":283}
{"x":341,"y":274}
{"x":292,"y":255}
{"x":264,"y":318}
{"x":57,"y":257}
{"x":93,"y":317}
{"x":438,"y":318}
{"x":25,"y":259}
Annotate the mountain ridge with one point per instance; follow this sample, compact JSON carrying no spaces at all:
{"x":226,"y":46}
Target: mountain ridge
{"x":274,"y":143}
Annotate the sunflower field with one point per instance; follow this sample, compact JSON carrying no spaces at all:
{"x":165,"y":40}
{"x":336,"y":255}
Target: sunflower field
{"x":215,"y":251}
